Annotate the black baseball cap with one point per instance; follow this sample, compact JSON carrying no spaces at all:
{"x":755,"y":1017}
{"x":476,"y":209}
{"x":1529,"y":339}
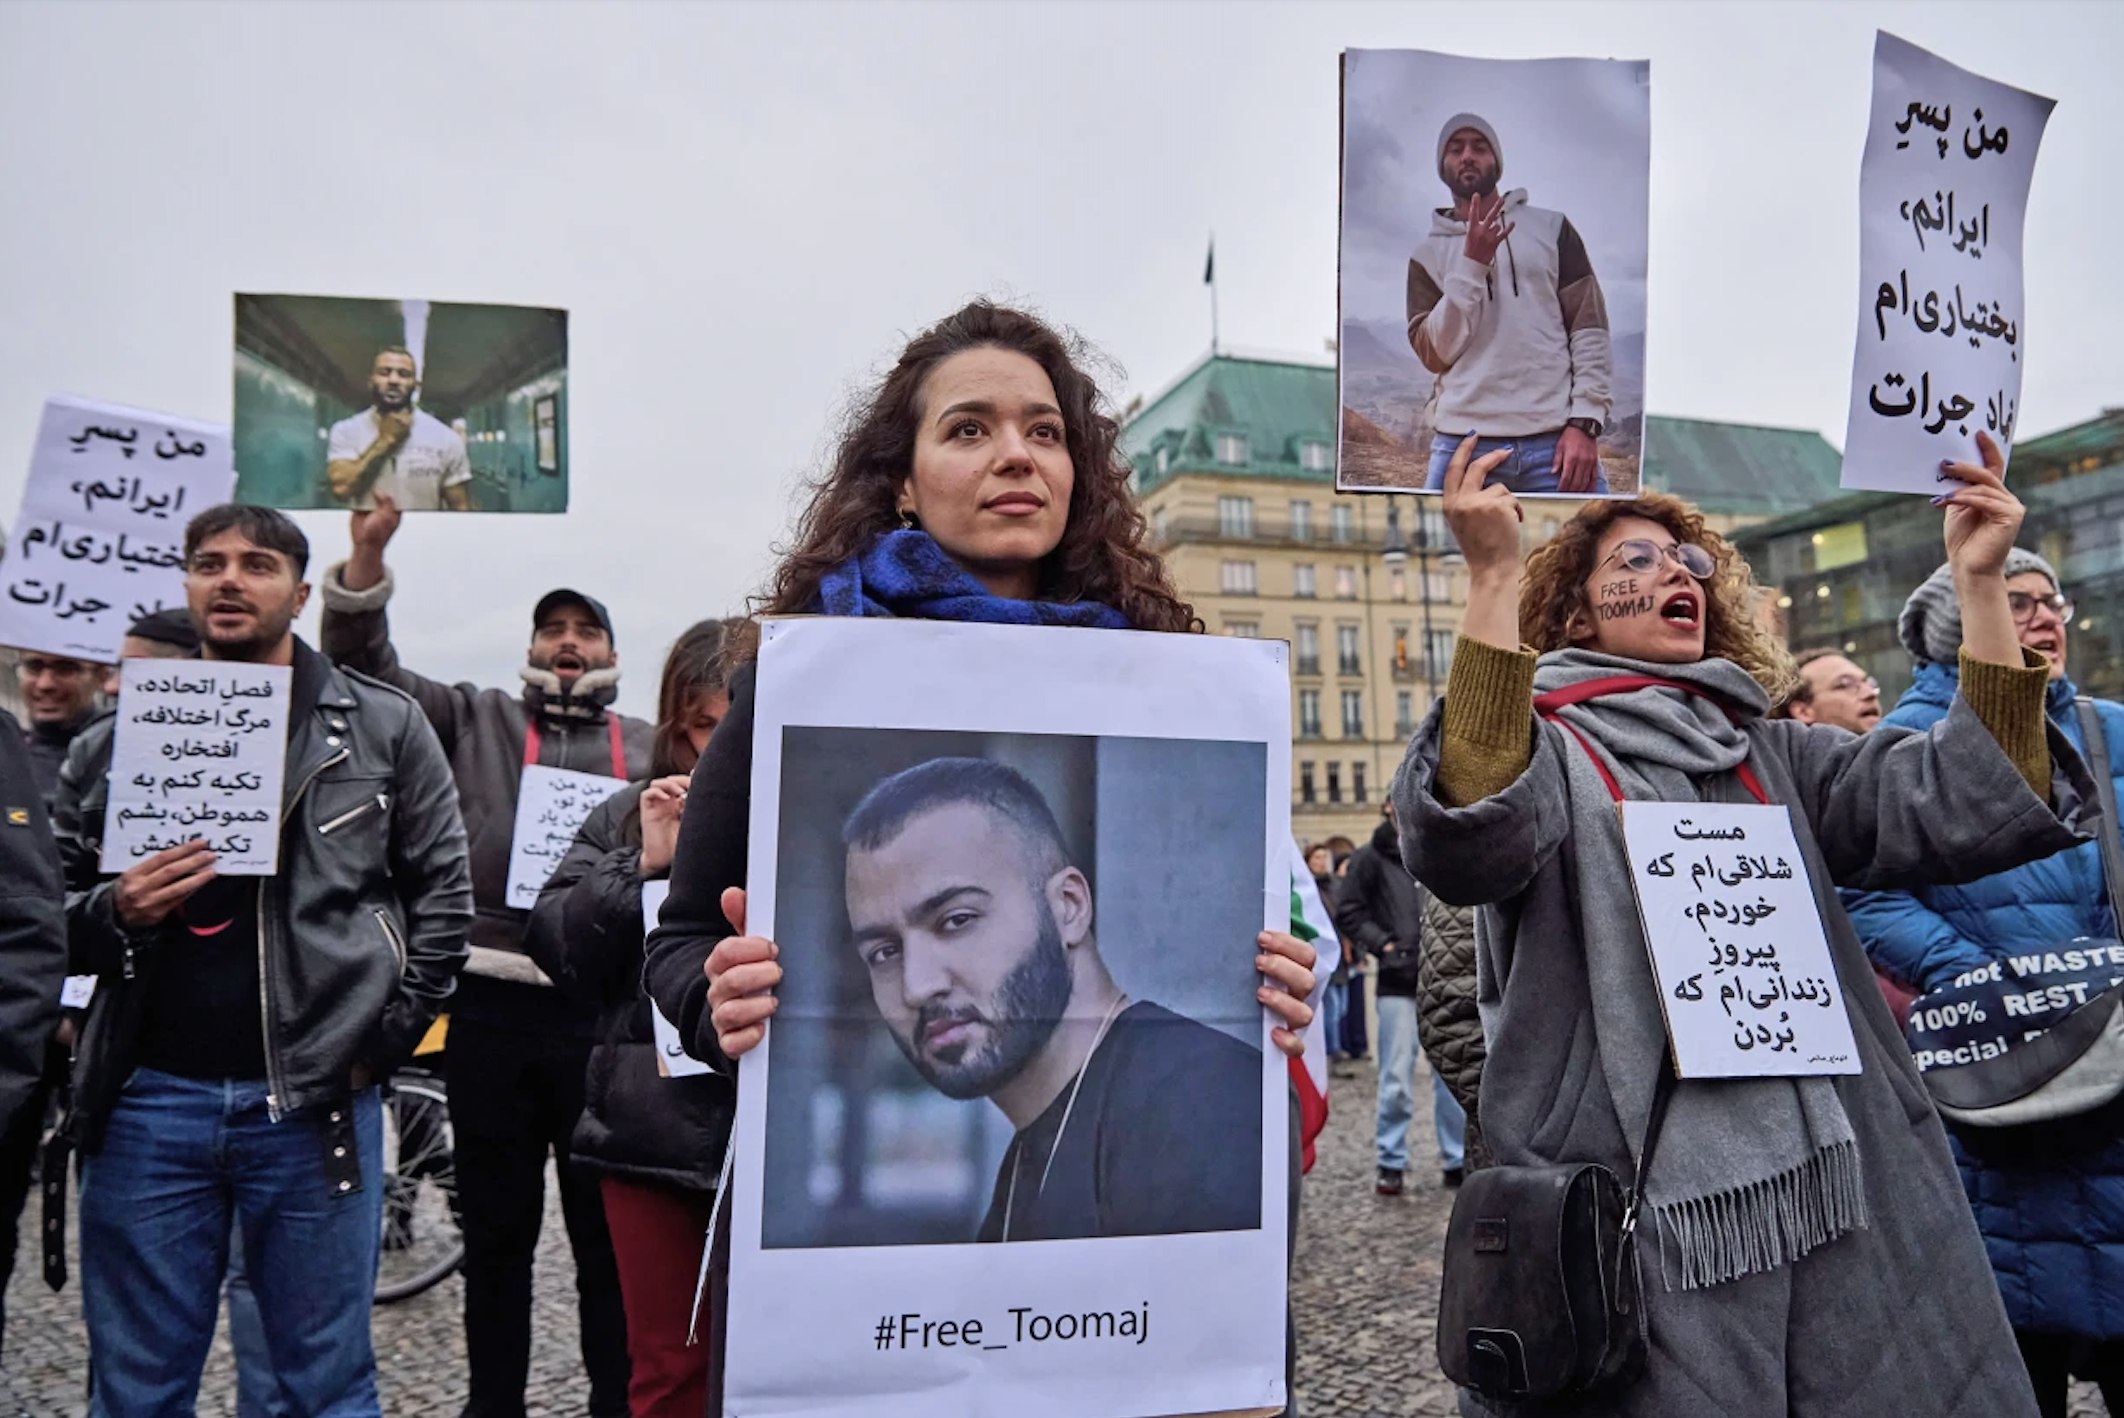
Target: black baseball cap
{"x":563,"y":596}
{"x":167,"y":627}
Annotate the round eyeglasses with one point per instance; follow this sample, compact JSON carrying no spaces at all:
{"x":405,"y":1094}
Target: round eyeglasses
{"x":2024,"y":605}
{"x":1642,"y":556}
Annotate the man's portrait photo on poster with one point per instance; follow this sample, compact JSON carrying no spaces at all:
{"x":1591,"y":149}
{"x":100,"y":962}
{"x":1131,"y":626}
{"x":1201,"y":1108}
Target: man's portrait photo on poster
{"x":441,"y":407}
{"x":1019,"y":991}
{"x":1494,"y":230}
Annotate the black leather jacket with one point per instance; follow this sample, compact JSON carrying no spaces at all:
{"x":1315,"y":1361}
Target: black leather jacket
{"x":362,"y":932}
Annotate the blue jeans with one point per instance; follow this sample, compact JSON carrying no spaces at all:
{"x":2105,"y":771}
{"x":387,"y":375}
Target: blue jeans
{"x":1331,"y":1006}
{"x":1397,"y":1092}
{"x":258,"y":1393}
{"x":183,"y":1161}
{"x":1531,"y":468}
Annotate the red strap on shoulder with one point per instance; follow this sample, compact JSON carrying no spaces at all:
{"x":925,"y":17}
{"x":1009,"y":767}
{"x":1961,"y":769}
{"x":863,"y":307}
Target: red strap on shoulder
{"x":1547,"y":705}
{"x":613,"y":733}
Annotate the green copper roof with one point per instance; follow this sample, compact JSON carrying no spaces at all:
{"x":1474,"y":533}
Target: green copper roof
{"x":1280,"y":405}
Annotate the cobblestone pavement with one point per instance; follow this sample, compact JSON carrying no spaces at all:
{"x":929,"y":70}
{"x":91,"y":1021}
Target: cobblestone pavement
{"x":1365,"y":1288}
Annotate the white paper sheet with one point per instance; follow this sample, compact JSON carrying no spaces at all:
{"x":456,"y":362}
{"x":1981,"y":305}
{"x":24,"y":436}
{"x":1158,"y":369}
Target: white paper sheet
{"x":672,"y":1060}
{"x":863,"y":1321}
{"x":1943,"y":187}
{"x":1738,"y":952}
{"x":551,"y":804}
{"x":199,"y":751}
{"x":100,"y":539}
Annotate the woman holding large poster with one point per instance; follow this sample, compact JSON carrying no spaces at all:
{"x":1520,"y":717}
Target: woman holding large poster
{"x":978,"y":483}
{"x":1801,"y":1253}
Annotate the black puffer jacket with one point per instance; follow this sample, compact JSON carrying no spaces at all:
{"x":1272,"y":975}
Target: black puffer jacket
{"x":586,"y":933}
{"x":1380,"y":908}
{"x":1450,"y":1025}
{"x":32,"y":924}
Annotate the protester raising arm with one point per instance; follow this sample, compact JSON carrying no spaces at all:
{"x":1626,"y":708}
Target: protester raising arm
{"x":356,"y":627}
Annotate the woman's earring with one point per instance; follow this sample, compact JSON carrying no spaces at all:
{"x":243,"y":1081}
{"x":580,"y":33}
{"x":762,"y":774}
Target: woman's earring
{"x":907,"y":520}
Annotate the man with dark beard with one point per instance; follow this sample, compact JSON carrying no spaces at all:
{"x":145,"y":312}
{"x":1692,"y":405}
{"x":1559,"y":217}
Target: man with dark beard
{"x":412,"y":457}
{"x":1515,"y":330}
{"x":976,"y":931}
{"x":517,"y":1046}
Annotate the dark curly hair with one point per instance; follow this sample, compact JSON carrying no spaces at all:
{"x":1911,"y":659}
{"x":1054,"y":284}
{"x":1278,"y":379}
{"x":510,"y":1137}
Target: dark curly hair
{"x":1553,"y":592}
{"x":694,"y":666}
{"x":1102,"y":556}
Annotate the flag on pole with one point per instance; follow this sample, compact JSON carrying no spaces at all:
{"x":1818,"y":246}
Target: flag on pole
{"x":1309,"y":1074}
{"x":1209,"y":266}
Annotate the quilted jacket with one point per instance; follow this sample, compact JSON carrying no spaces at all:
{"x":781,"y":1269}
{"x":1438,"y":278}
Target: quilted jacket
{"x":2051,"y":1206}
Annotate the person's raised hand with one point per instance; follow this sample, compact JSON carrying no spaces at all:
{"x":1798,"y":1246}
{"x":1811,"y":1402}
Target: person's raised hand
{"x":1484,"y":519}
{"x":1487,"y":228}
{"x":395,"y":427}
{"x":741,"y":974}
{"x":663,"y":803}
{"x":1286,"y":966}
{"x":372,"y":531}
{"x":147,"y":891}
{"x":1983,"y":517}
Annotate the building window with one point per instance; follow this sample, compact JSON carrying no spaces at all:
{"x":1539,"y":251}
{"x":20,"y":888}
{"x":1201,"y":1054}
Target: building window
{"x":1302,"y":580}
{"x":1438,"y":652}
{"x":1346,"y":649}
{"x":1158,"y":523}
{"x":1243,"y":629}
{"x":1339,"y":527}
{"x":1231,"y":448}
{"x":1345,"y":583}
{"x":1238,"y":578}
{"x":1305,"y":784}
{"x":1235,"y":518}
{"x":1315,"y":456}
{"x":1308,"y":648}
{"x":1398,"y":584}
{"x":1404,"y":713}
{"x":1431,"y":522}
{"x":1401,"y":649}
{"x":1309,"y":713}
{"x":1437,"y":587}
{"x":1162,"y":459}
{"x":1353,"y":713}
{"x":1301,"y":521}
{"x":1356,"y":782}
{"x":1334,"y":782}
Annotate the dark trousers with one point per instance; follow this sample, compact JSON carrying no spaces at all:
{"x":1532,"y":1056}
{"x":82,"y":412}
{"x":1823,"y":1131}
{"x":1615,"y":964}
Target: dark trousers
{"x":2049,"y":1359}
{"x":515,"y":1096}
{"x":18,"y":1167}
{"x":1354,"y":1042}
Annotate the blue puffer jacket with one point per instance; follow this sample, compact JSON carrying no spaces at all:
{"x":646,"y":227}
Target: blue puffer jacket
{"x":2052,"y":1217}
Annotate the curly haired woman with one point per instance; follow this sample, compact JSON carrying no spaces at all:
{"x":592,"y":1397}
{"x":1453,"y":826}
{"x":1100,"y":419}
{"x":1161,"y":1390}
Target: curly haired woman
{"x":1807,"y":1253}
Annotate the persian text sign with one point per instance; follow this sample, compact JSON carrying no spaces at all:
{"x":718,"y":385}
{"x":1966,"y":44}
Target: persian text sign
{"x":1738,"y":953}
{"x":1943,"y":187}
{"x":199,"y":752}
{"x":100,"y":539}
{"x":551,"y":804}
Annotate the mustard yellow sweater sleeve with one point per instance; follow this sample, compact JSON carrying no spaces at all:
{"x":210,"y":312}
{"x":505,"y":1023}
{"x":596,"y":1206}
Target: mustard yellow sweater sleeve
{"x":2010,"y":702}
{"x":1485,"y":741}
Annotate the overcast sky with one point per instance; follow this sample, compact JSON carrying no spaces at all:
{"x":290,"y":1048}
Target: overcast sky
{"x":745,"y":209}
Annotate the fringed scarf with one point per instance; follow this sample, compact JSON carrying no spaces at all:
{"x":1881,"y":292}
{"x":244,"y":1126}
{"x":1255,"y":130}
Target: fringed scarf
{"x":1751,"y":1173}
{"x":906,"y":574}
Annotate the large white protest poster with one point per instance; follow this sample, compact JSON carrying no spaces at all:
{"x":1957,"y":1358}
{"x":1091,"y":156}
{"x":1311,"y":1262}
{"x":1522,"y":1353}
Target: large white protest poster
{"x":100,"y":539}
{"x":1015,"y":875}
{"x":551,"y":804}
{"x":199,"y":752}
{"x":1943,"y":187}
{"x":1741,"y":962}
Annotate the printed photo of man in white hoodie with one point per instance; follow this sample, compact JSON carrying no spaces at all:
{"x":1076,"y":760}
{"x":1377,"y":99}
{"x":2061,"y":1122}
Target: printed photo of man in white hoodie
{"x":1504,"y":307}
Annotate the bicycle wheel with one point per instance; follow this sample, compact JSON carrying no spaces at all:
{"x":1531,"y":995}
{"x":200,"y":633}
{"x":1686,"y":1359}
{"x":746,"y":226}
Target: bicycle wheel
{"x":422,"y":1242}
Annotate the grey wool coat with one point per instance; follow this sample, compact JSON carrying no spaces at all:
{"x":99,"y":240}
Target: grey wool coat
{"x":1900,"y":1317}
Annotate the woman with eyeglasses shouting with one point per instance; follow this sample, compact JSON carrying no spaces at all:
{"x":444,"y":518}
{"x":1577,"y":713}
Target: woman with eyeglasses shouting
{"x":2051,"y":1207}
{"x":1801,"y":1244}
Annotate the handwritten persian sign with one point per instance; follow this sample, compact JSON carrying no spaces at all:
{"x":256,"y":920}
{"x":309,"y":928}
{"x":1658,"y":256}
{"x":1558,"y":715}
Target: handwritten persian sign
{"x":672,"y":1060}
{"x":199,"y":752}
{"x":1943,"y":187}
{"x":551,"y":804}
{"x":100,"y":539}
{"x":1738,"y":953}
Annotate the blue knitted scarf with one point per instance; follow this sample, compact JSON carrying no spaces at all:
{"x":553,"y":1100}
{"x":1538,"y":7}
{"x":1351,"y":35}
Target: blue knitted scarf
{"x":906,"y":574}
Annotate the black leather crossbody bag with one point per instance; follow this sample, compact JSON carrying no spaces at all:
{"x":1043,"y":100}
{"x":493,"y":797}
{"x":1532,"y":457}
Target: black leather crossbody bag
{"x":1541,"y":1296}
